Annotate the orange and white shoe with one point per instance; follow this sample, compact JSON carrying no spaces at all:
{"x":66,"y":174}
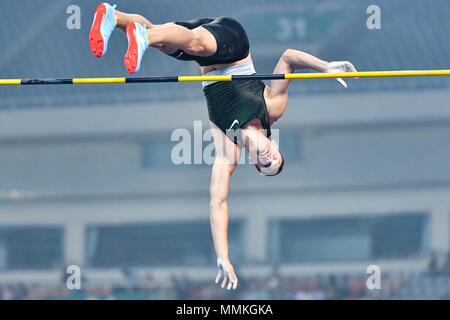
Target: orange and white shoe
{"x":137,"y":45}
{"x":104,"y":24}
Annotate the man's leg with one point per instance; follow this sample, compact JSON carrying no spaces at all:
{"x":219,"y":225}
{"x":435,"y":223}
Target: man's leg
{"x":123,"y":19}
{"x":170,"y":37}
{"x":167,"y":37}
{"x":197,"y":42}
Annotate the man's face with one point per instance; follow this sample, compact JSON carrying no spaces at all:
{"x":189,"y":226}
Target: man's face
{"x":269,"y":161}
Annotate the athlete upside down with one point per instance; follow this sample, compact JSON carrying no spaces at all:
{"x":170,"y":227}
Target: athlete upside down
{"x":241,"y":113}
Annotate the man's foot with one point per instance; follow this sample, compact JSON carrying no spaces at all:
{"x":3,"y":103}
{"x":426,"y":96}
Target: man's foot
{"x":102,"y":28}
{"x":137,"y":44}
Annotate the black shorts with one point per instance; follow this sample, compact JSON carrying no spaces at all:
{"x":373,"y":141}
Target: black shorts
{"x":231,"y":38}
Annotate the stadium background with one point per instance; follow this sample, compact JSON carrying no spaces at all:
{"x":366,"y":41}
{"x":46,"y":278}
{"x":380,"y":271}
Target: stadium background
{"x":86,"y":176}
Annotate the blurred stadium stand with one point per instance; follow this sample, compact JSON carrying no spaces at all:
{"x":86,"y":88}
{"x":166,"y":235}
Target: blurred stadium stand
{"x":273,"y":286}
{"x":86,"y":176}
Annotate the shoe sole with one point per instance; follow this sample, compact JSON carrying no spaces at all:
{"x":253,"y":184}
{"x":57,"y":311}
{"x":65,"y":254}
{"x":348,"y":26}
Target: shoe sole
{"x":132,"y":55}
{"x":96,"y":41}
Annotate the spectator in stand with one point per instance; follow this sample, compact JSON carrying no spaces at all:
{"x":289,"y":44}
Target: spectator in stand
{"x":433,"y":264}
{"x":446,"y":266}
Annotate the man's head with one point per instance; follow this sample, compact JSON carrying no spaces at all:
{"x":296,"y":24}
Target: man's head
{"x":269,"y":162}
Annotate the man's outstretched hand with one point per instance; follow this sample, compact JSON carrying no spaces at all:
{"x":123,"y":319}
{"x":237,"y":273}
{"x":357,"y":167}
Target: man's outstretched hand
{"x":340,"y":66}
{"x":226,"y":271}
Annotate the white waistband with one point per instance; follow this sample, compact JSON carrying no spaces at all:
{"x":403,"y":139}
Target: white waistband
{"x":242,"y":69}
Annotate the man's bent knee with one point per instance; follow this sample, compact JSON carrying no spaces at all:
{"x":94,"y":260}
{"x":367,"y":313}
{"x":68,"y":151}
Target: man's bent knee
{"x":202,"y":43}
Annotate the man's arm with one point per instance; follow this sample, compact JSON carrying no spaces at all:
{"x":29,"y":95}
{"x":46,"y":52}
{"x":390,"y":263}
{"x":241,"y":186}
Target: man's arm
{"x":220,"y":180}
{"x":292,"y":60}
{"x":218,"y":206}
{"x":295,"y":59}
{"x":227,"y":157}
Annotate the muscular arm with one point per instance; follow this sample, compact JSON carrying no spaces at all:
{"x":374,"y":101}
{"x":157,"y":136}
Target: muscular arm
{"x":290,"y":61}
{"x":223,"y":168}
{"x":294,"y":59}
{"x":220,"y":180}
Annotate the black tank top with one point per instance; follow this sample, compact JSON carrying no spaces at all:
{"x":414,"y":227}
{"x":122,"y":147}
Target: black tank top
{"x":233,"y":104}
